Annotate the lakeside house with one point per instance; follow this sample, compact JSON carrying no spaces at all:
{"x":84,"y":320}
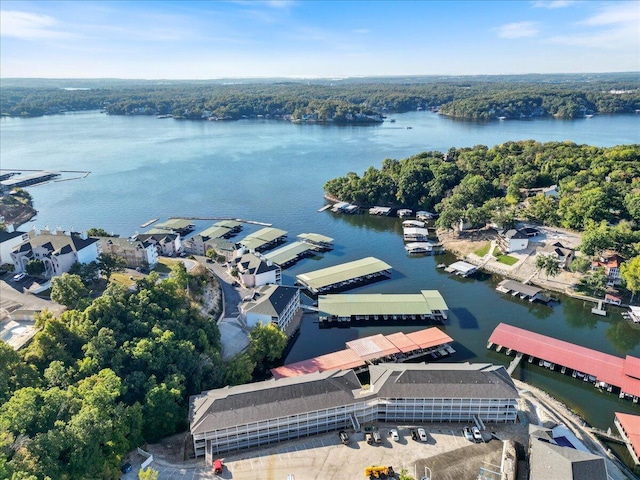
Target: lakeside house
{"x":253,"y":271}
{"x":275,"y":304}
{"x":8,"y":241}
{"x":610,"y":262}
{"x":167,"y":244}
{"x":136,"y":253}
{"x":58,"y":251}
{"x":512,"y":240}
{"x":564,"y":254}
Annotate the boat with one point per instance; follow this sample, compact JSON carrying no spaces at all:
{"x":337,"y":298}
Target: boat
{"x":393,"y":120}
{"x":409,"y":128}
{"x":502,"y":118}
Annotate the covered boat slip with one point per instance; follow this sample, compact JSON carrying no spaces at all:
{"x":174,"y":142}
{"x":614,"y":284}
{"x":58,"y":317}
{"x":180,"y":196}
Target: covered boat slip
{"x":423,"y":247}
{"x":381,"y":307}
{"x":463,"y":269}
{"x":380,"y":211}
{"x":263,"y":239}
{"x":604,"y":370}
{"x":345,"y":275}
{"x":316,"y":239}
{"x":415,"y":234}
{"x":366,"y":351}
{"x":528,"y":292}
{"x":290,"y":254}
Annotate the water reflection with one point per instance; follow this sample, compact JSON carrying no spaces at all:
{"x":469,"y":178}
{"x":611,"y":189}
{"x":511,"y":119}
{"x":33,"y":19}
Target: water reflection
{"x":623,"y":335}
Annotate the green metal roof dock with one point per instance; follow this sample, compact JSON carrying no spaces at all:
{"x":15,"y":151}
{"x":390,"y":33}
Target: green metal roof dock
{"x":344,"y":275}
{"x":264,"y":239}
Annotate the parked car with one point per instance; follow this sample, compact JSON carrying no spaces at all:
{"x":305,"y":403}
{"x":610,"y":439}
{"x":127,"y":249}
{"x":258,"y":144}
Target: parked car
{"x":125,"y":467}
{"x":467,"y":434}
{"x":477,"y":436}
{"x":344,"y":438}
{"x":393,"y":433}
{"x":422,"y":434}
{"x":368,"y":437}
{"x":414,"y":434}
{"x":376,"y":437}
{"x":19,"y":276}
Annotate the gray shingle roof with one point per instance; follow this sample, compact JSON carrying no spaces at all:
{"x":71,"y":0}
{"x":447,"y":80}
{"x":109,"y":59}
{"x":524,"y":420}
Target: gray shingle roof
{"x":273,"y":300}
{"x":553,"y":462}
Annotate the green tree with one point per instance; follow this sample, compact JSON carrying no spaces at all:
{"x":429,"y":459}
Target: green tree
{"x":550,"y":264}
{"x":239,"y":369}
{"x":404,"y":475}
{"x":68,"y":290}
{"x":98,"y":232}
{"x":148,"y":474}
{"x":267,"y":343}
{"x":594,"y":282}
{"x":179,"y":275}
{"x":109,"y":263}
{"x":580,"y":263}
{"x":88,"y":272}
{"x":35,"y":267}
{"x":163,"y":411}
{"x":630,"y":273}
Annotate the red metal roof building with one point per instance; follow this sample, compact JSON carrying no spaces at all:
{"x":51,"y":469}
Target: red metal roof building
{"x":623,"y":373}
{"x":629,"y":427}
{"x":366,"y":350}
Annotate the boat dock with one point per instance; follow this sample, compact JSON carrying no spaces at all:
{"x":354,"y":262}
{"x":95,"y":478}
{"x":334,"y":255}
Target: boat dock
{"x":19,"y":181}
{"x":326,"y":207}
{"x":605,"y":371}
{"x":415,"y":234}
{"x":150,"y":222}
{"x":264,"y":239}
{"x":344,"y":276}
{"x":423,"y":247}
{"x":462,"y":269}
{"x":360,"y":353}
{"x":599,"y":309}
{"x":289,"y":254}
{"x":252,"y":222}
{"x":525,"y":292}
{"x":382,"y":308}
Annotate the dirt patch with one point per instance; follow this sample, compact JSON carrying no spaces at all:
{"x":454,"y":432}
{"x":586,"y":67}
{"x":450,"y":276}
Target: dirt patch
{"x":15,"y":212}
{"x":465,"y":243}
{"x":463,"y":463}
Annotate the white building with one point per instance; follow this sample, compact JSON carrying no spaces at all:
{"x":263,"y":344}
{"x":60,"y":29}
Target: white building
{"x":261,"y":413}
{"x":255,"y":272}
{"x":167,"y":244}
{"x":58,"y":250}
{"x":9,"y":241}
{"x":273,"y":304}
{"x":135,"y":252}
{"x":512,"y":241}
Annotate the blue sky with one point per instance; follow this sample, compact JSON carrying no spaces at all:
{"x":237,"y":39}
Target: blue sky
{"x":304,"y":38}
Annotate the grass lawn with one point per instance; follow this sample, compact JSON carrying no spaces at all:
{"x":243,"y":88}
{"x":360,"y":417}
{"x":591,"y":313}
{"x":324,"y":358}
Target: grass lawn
{"x":482,"y":251}
{"x":121,"y":279}
{"x":507,"y":260}
{"x":164,"y":265}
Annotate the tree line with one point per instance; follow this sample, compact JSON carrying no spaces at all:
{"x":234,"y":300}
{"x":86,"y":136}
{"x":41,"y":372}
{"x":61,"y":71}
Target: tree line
{"x":112,"y":373}
{"x":472,"y":98}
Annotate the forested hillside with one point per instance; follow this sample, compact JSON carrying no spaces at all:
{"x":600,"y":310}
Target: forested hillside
{"x":474,"y":98}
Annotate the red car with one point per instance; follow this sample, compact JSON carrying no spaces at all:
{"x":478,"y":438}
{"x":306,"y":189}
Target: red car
{"x":217,"y":466}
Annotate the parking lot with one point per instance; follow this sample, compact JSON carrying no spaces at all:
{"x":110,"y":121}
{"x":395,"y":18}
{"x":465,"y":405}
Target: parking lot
{"x":447,"y":454}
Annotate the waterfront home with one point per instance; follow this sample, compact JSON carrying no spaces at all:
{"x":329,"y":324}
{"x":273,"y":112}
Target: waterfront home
{"x":275,"y":304}
{"x":135,"y":253}
{"x":553,"y":458}
{"x":253,"y":271}
{"x":271,"y":411}
{"x":167,"y":244}
{"x":58,"y":250}
{"x":8,"y":241}
{"x":512,"y":240}
{"x":563,"y":254}
{"x":610,"y":262}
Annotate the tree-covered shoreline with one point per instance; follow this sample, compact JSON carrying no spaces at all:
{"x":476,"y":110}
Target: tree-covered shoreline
{"x":482,"y":184}
{"x":338,"y":101}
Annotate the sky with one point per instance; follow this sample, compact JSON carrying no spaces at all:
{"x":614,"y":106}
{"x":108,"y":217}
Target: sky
{"x":309,"y":39}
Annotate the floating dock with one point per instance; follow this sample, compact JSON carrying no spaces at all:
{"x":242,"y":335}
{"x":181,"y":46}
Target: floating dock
{"x":360,"y":353}
{"x":462,"y":269}
{"x":344,"y":276}
{"x":150,"y":222}
{"x":326,"y":207}
{"x":382,"y":308}
{"x":603,"y":370}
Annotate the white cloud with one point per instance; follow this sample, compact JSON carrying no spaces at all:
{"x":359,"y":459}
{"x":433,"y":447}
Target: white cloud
{"x":518,"y":30}
{"x":27,"y":25}
{"x":552,"y":4}
{"x":628,"y":12}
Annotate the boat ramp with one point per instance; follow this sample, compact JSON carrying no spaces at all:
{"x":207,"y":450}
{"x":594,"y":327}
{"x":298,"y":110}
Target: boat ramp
{"x":360,"y":353}
{"x":382,"y":308}
{"x":523,"y":291}
{"x":605,"y":371}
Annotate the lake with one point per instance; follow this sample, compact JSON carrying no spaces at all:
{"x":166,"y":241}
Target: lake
{"x":271,"y":171}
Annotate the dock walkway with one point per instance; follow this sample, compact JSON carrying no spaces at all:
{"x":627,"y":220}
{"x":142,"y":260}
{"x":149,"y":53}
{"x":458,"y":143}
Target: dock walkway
{"x":252,"y":222}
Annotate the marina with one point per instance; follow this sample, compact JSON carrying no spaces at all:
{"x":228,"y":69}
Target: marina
{"x":383,"y":308}
{"x":431,"y":343}
{"x":344,"y":276}
{"x":605,"y":371}
{"x":264,"y":239}
{"x":289,"y":254}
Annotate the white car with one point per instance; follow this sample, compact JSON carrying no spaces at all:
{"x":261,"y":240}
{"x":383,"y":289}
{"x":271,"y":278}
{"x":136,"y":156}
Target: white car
{"x":422,"y":434}
{"x":393,"y":433}
{"x":467,"y":434}
{"x":19,"y":276}
{"x":477,"y":436}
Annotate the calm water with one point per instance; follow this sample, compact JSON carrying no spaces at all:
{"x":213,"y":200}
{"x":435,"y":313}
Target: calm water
{"x":142,"y":168}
